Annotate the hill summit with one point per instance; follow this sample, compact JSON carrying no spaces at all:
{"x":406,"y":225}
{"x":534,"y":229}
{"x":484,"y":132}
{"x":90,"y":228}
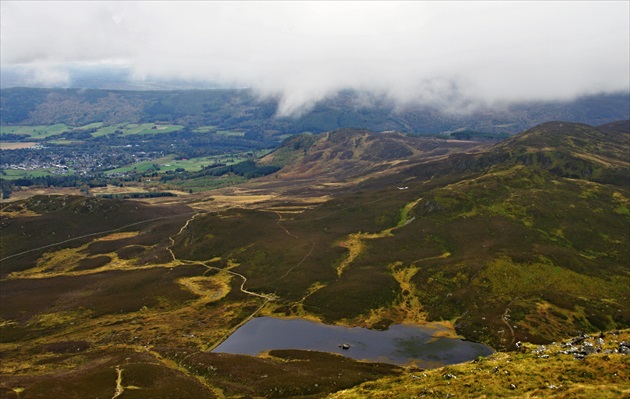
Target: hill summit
{"x":347,"y":153}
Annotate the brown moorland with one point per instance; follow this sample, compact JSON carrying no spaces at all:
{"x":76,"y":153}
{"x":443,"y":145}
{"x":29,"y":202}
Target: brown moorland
{"x":524,"y":241}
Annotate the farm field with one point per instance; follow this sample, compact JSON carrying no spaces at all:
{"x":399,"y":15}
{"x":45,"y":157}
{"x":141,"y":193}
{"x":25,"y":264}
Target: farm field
{"x":11,"y":174}
{"x":41,"y":132}
{"x":38,"y":131}
{"x":9,"y":145}
{"x":128,"y":129}
{"x":169,"y":163}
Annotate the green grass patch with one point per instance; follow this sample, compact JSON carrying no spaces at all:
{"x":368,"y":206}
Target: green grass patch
{"x":35,"y":132}
{"x":169,"y":163}
{"x":193,"y":164}
{"x":12,"y":174}
{"x":207,"y":183}
{"x":65,"y":142}
{"x":142,"y":167}
{"x":39,"y":132}
{"x":204,"y":129}
{"x":230,"y":133}
{"x":127,"y":129}
{"x":622,"y":210}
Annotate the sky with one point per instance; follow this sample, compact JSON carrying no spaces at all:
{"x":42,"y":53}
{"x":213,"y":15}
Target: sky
{"x":446,"y":53}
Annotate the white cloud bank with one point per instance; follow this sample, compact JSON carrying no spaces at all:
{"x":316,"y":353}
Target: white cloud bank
{"x":444,"y":53}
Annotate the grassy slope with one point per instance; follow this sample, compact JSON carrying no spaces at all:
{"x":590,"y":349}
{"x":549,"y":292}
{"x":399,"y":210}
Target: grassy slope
{"x":534,"y":372}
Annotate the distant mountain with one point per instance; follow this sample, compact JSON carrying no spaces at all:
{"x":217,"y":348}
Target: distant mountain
{"x":243,"y":110}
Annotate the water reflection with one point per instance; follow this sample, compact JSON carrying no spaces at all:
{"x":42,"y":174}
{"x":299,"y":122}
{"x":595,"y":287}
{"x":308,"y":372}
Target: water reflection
{"x":402,"y":344}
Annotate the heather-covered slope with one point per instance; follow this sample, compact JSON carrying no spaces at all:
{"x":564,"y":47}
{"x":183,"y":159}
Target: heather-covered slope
{"x":524,"y":241}
{"x":505,"y":244}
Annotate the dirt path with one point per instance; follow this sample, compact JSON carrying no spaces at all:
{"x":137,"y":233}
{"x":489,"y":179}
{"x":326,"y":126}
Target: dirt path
{"x":300,"y":262}
{"x":119,"y":387}
{"x":172,"y":238}
{"x":280,"y":219}
{"x":88,"y":235}
{"x":504,"y":318}
{"x":268,"y":297}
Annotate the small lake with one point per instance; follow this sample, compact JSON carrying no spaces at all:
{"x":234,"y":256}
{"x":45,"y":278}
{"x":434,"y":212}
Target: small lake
{"x":402,"y":344}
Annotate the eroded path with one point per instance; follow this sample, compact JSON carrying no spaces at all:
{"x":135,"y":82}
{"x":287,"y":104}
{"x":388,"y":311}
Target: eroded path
{"x":88,"y":235}
{"x":119,"y":388}
{"x":172,"y":238}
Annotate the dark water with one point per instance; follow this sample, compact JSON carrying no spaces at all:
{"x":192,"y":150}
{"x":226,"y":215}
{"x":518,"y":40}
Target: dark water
{"x":401,"y":344}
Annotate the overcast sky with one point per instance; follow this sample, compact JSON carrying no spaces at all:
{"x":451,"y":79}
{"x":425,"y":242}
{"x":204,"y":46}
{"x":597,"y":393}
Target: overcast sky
{"x":414,"y":52}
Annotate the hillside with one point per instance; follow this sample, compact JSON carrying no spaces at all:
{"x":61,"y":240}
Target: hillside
{"x":598,"y":371}
{"x":347,"y":153}
{"x":573,"y":151}
{"x":480,"y":239}
{"x":524,"y":240}
{"x":243,"y":110}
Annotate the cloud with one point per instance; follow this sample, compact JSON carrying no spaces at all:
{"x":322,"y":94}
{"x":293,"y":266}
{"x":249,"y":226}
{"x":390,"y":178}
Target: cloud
{"x":441,"y":53}
{"x":46,"y":75}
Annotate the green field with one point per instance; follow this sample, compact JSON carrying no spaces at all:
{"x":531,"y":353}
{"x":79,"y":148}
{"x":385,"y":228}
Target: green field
{"x":204,"y":129}
{"x":44,"y":131}
{"x":169,"y":163}
{"x":12,"y":174}
{"x":64,"y":142}
{"x":35,"y":132}
{"x":206,"y":183}
{"x":230,"y":133}
{"x":133,"y":128}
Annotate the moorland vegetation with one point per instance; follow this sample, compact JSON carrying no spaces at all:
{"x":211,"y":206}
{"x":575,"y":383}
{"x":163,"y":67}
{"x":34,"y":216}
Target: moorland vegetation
{"x":524,"y":240}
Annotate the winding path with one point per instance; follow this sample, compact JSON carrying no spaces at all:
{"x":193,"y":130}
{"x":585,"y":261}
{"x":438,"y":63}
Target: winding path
{"x":267,"y":297}
{"x":172,"y":238}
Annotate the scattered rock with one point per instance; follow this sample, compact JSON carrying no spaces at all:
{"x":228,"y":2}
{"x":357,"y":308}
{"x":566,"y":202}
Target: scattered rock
{"x":541,"y":349}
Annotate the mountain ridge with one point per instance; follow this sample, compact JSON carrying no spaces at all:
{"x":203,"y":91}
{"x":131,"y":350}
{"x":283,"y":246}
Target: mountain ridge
{"x":231,"y":108}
